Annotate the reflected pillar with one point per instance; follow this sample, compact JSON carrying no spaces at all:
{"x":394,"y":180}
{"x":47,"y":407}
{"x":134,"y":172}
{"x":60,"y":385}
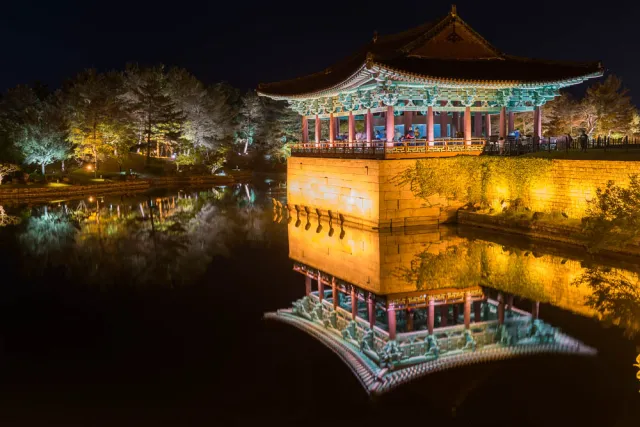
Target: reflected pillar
{"x":390,"y":124}
{"x":409,"y":320}
{"x":371,"y":310}
{"x":320,"y":287}
{"x":487,"y":124}
{"x":444,"y":313}
{"x":537,"y":122}
{"x":332,"y":128}
{"x":334,"y":292}
{"x":368,"y":123}
{"x":510,"y":302}
{"x":354,"y":303}
{"x":391,"y":321}
{"x":317,"y":129}
{"x":305,"y":129}
{"x":535,"y":310}
{"x":467,"y":125}
{"x":500,"y":309}
{"x":467,"y":310}
{"x":456,"y":313}
{"x":477,"y":311}
{"x":431,"y":316}
{"x":307,"y":285}
{"x":430,"y":125}
{"x":352,"y":127}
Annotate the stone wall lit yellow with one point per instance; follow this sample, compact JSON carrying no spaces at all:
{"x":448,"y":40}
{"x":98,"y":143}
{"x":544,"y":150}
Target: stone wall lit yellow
{"x":366,"y":192}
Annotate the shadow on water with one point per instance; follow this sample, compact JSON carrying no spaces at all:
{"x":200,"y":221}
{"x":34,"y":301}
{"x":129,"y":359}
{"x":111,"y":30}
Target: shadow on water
{"x":147,"y":310}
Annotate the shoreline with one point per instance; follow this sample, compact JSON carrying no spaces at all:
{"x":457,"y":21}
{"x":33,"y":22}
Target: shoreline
{"x":38,"y":194}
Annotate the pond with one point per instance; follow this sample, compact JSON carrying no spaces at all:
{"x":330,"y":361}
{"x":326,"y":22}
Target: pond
{"x":149,"y":308}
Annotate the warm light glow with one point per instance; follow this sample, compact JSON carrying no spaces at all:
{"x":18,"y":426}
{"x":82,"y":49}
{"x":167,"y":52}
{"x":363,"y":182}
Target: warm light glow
{"x":91,"y":199}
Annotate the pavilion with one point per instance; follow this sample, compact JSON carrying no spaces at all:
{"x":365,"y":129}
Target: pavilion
{"x":441,"y":79}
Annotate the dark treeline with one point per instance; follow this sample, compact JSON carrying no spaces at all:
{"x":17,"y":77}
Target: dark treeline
{"x":152,"y":110}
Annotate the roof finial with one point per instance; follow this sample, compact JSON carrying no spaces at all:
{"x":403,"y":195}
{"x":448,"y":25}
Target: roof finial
{"x":375,"y":36}
{"x":454,"y":12}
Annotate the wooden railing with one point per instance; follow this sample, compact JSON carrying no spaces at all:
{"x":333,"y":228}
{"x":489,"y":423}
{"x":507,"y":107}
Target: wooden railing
{"x":382,"y":149}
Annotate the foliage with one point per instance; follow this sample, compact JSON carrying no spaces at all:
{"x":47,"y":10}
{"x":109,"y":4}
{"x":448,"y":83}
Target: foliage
{"x":185,"y":159}
{"x":615,"y":295}
{"x":6,"y":169}
{"x":612,"y":107}
{"x":252,"y":117}
{"x":282,"y":126}
{"x":613,"y":216}
{"x":475,"y":179}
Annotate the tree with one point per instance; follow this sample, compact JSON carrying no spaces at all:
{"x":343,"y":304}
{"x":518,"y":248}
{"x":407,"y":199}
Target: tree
{"x":564,"y":115}
{"x":282,"y":125}
{"x":6,"y":169}
{"x":610,"y":107}
{"x":185,"y":159}
{"x":252,"y":118}
{"x":12,"y":107}
{"x":147,"y":98}
{"x":42,"y":138}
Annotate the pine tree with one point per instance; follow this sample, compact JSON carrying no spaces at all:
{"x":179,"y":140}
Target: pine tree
{"x":612,"y":107}
{"x":252,"y":118}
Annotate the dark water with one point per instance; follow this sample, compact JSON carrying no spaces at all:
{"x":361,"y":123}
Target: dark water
{"x":147,"y":310}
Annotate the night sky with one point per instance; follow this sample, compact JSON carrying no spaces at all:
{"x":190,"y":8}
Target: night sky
{"x":245,"y":42}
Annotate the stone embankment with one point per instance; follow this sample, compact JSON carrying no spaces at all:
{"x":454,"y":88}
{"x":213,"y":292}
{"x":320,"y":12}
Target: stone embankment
{"x":37,"y":193}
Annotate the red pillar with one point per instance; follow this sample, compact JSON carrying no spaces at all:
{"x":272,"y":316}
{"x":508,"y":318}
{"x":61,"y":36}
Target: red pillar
{"x":455,"y":124}
{"x":409,"y":320}
{"x":503,"y":124}
{"x":390,"y":124}
{"x":431,"y":316}
{"x":334,"y":291}
{"x":444,"y":121}
{"x":371,"y":309}
{"x":391,"y":321}
{"x":320,"y":287}
{"x":444,"y":313}
{"x":332,"y":129}
{"x":369,"y":125}
{"x":305,"y":129}
{"x":467,"y":310}
{"x":354,"y":303}
{"x":430,"y":125}
{"x":467,"y":125}
{"x":408,"y":121}
{"x":537,"y":122}
{"x":487,"y":124}
{"x":511,"y":122}
{"x":477,"y":118}
{"x":500,"y":309}
{"x":317,"y":129}
{"x":307,"y":285}
{"x":337,"y":128}
{"x":477,"y":311}
{"x":535,"y":310}
{"x":352,"y":127}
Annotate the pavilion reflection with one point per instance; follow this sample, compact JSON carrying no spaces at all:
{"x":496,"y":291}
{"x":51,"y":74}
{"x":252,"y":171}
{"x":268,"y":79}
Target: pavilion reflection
{"x":398,"y":305}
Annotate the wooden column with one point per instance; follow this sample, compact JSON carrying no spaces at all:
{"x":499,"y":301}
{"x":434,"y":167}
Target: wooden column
{"x":477,"y":311}
{"x":352,"y":127}
{"x":430,"y":125}
{"x":390,"y":124}
{"x":537,"y":122}
{"x":371,"y":310}
{"x":467,"y":125}
{"x":332,"y":129}
{"x":320,"y":287}
{"x":409,"y":320}
{"x":431,"y":316}
{"x":444,"y":313}
{"x":444,"y":121}
{"x":408,"y":121}
{"x":467,"y":310}
{"x":503,"y":124}
{"x":391,"y":321}
{"x":354,"y":303}
{"x":455,"y":124}
{"x":307,"y":285}
{"x":535,"y":310}
{"x":318,"y":129}
{"x":500,"y":309}
{"x":510,"y":302}
{"x":369,"y":125}
{"x":334,"y":291}
{"x":477,"y":125}
{"x":511,"y":122}
{"x":305,"y":129}
{"x":487,"y":124}
{"x":337,"y":127}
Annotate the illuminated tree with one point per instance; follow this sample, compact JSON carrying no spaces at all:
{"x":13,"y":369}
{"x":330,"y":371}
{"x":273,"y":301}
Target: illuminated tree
{"x":611,"y":108}
{"x":252,"y":118}
{"x":185,"y":159}
{"x":282,"y":126}
{"x":6,"y":169}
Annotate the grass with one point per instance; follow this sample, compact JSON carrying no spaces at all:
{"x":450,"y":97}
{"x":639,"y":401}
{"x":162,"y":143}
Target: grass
{"x":593,"y":154}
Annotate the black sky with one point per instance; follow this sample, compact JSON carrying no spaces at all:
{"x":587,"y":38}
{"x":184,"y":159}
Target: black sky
{"x":247,"y":42}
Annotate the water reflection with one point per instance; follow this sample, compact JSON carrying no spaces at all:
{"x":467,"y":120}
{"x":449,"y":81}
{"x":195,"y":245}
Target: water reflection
{"x":399,"y":305}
